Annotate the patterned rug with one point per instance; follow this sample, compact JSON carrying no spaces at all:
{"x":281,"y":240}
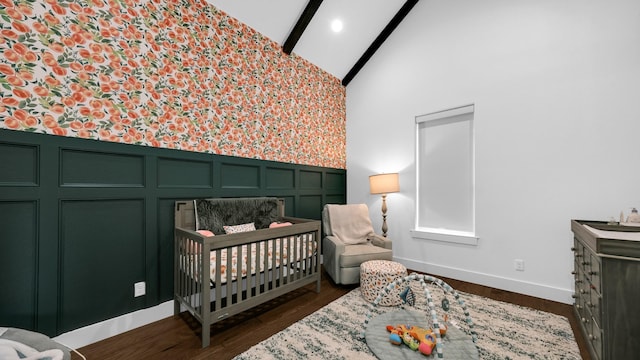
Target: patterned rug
{"x":505,"y":331}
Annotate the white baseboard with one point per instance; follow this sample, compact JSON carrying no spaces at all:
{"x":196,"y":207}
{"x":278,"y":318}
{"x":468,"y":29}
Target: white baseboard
{"x":498,"y":282}
{"x":99,"y":331}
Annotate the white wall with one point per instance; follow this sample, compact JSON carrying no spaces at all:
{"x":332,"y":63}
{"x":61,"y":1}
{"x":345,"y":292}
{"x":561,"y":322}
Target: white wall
{"x":555,"y":86}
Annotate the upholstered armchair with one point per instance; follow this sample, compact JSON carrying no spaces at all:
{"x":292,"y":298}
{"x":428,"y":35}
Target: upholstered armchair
{"x":349,"y":241}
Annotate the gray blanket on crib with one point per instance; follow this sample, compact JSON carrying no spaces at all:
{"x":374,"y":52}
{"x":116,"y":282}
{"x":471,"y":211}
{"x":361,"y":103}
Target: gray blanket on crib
{"x":213,"y":214}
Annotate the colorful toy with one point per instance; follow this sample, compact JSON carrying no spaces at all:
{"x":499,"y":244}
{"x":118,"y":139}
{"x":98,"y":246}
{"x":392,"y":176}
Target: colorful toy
{"x":400,"y":334}
{"x":416,"y":338}
{"x":397,"y":334}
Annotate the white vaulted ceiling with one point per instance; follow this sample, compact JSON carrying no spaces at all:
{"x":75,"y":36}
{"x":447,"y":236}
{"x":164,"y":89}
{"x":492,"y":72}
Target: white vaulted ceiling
{"x":336,"y":53}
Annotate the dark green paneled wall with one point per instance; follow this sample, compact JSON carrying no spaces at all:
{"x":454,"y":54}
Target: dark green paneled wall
{"x":81,"y":221}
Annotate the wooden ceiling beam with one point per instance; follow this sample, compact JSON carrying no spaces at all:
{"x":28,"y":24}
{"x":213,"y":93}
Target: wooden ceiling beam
{"x":301,"y":25}
{"x":397,"y":19}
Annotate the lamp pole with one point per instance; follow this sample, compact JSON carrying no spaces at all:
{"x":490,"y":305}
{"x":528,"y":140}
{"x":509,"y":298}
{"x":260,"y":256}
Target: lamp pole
{"x":384,"y":215}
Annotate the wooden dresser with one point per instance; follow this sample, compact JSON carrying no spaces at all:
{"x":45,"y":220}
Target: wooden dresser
{"x":607,"y":288}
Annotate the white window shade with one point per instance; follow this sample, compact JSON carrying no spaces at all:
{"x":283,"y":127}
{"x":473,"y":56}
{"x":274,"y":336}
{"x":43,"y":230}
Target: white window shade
{"x":445,"y":172}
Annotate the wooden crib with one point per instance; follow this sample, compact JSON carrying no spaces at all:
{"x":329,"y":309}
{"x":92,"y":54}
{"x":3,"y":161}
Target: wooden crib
{"x":218,"y":276}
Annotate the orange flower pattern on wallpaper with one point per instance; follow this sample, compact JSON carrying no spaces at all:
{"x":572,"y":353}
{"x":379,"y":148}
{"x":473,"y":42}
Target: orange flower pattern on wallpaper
{"x":176,"y":74}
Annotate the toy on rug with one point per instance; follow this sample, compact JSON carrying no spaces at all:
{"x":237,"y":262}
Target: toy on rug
{"x":416,"y":338}
{"x":426,"y":337}
{"x":408,"y":297}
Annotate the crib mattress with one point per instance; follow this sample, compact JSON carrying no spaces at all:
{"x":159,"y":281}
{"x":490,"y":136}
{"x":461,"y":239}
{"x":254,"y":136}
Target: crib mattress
{"x":293,"y":249}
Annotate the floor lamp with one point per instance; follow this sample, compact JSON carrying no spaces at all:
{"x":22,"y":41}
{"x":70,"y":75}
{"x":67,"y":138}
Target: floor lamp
{"x":384,"y":184}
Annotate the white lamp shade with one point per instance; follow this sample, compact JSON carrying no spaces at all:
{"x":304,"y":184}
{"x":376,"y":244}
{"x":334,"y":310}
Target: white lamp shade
{"x":384,"y":183}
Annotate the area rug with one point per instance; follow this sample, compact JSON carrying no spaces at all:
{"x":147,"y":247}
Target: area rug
{"x":504,"y":331}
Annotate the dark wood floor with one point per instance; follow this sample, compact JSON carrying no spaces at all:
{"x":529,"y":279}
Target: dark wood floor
{"x":178,"y":338}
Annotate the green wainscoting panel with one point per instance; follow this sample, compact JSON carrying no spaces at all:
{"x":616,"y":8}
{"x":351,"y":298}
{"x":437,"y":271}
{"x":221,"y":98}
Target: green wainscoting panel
{"x":310,"y":206}
{"x":83,"y":220}
{"x":335,"y":181}
{"x":280,"y":178}
{"x":18,"y":259}
{"x":19,"y":164}
{"x":335,"y":199}
{"x":310,"y":179}
{"x":83,"y":168}
{"x":239,"y":176}
{"x":179,"y":173}
{"x":102,"y":256}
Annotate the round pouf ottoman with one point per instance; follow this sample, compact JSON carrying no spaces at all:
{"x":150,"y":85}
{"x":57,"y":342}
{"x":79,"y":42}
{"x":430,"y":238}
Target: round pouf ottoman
{"x":375,"y":275}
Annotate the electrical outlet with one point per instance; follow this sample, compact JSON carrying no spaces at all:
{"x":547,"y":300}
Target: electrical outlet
{"x":139,"y":289}
{"x":519,"y":264}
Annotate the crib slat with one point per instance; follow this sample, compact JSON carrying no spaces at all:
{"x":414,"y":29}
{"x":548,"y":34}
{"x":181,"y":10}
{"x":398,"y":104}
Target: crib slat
{"x":291,"y":257}
{"x":191,"y":258}
{"x":229,"y":284}
{"x":258,"y":262}
{"x":184,"y":288}
{"x":280,"y":260}
{"x":301,"y":257}
{"x":294,"y":258}
{"x":265,"y":274}
{"x":277,"y":270}
{"x":196,"y":282}
{"x":286,"y":259}
{"x":304,"y":254}
{"x":273,"y":261}
{"x":202,"y":286}
{"x":180,"y":260}
{"x":239,"y":277}
{"x":218,"y":281}
{"x":191,"y":285}
{"x":188,"y":260}
{"x":316,"y":259}
{"x":249,"y":266}
{"x":309,"y":262}
{"x":317,"y":250}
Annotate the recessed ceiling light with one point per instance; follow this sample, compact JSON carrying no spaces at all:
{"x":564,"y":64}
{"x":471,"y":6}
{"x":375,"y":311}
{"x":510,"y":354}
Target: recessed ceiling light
{"x":336,"y":25}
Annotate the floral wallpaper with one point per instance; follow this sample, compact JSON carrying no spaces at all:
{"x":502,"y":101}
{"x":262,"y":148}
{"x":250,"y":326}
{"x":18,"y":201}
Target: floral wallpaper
{"x":165,"y":73}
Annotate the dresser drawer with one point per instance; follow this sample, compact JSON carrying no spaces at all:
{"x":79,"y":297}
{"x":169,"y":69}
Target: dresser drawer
{"x":594,"y":272}
{"x":580,"y":303}
{"x":594,"y":336}
{"x":593,"y":303}
{"x":578,"y":251}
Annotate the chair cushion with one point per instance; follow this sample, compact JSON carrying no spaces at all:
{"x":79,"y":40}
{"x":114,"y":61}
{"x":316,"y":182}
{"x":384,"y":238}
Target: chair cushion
{"x":354,"y":255}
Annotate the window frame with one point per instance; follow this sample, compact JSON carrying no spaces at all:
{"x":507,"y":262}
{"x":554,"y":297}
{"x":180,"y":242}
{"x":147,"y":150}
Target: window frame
{"x":441,"y":234}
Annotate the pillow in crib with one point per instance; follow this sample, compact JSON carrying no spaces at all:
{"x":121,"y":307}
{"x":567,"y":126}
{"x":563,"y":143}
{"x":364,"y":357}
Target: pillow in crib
{"x":239,"y":228}
{"x":206,"y":233}
{"x":279,"y":224}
